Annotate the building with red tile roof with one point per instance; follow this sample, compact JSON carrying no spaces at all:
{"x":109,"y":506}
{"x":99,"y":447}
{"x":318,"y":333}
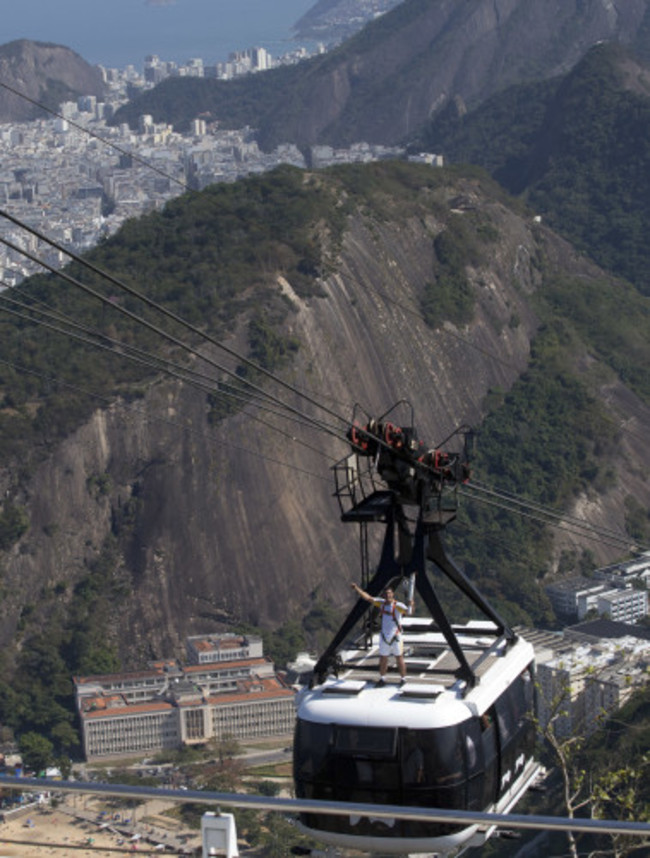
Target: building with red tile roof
{"x":171,"y":705}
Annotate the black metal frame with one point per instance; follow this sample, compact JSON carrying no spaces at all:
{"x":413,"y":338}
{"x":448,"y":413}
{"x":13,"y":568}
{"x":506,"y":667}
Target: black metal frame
{"x":416,"y":544}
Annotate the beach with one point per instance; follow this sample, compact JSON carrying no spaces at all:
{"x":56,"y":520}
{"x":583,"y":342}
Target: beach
{"x":89,"y":828}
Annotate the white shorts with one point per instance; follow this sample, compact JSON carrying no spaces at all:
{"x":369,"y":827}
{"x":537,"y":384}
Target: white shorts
{"x":396,"y":647}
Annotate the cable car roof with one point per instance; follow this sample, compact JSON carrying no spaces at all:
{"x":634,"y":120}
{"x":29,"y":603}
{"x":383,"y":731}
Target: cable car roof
{"x":432,"y":696}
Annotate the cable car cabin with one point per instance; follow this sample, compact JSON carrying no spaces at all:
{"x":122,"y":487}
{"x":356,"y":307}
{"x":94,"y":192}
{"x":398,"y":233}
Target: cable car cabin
{"x":431,"y":742}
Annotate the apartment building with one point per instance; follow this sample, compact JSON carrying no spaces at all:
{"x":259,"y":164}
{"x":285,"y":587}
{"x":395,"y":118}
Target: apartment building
{"x":617,"y":595}
{"x":580,"y":681}
{"x":630,"y":571}
{"x":627,"y":605}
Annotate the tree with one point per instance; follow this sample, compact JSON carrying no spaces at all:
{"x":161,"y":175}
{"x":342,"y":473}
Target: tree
{"x":279,"y":837}
{"x":65,"y":736}
{"x":602,"y":786}
{"x":226,"y":776}
{"x":14,"y":521}
{"x":622,"y":793}
{"x":37,"y":751}
{"x":271,"y":788}
{"x":226,"y":747}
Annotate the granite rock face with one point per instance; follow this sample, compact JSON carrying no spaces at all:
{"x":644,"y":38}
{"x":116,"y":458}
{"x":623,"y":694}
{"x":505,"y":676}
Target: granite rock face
{"x":238,"y":523}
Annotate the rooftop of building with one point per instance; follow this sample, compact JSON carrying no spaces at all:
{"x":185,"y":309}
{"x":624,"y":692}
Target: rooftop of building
{"x":222,"y":666}
{"x":608,"y":629}
{"x":127,"y":709}
{"x":227,"y":640}
{"x":573,"y":583}
{"x":116,"y":706}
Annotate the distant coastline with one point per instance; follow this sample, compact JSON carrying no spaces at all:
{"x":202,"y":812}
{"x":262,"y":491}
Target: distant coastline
{"x":124,"y":32}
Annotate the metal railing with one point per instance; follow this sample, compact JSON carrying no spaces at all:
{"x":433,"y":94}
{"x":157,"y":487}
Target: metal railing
{"x":336,"y":808}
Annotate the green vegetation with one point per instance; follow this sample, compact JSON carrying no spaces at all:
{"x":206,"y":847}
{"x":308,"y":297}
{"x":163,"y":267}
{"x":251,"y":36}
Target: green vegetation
{"x":14,"y":522}
{"x":450,"y":297}
{"x":498,"y":135}
{"x":36,"y":752}
{"x":238,"y":103}
{"x":267,"y":349}
{"x":74,"y":640}
{"x":310,"y":634}
{"x":602,"y":776}
{"x":577,"y":148}
{"x":545,"y":441}
{"x":274,"y":103}
{"x":207,"y":257}
{"x":614,"y":322}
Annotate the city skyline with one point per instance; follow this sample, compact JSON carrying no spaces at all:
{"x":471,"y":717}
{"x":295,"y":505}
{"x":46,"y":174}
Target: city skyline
{"x":126,"y":31}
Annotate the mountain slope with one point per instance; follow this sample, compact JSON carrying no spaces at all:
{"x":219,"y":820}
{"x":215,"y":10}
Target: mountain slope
{"x":140,"y":507}
{"x":46,"y":73}
{"x":577,"y":148}
{"x":389,"y":79}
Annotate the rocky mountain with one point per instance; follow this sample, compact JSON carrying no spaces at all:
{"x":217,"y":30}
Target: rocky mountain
{"x":46,"y":73}
{"x":383,"y":84}
{"x":147,"y":522}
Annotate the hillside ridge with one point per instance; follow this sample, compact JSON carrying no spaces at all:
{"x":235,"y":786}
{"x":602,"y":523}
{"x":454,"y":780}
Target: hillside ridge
{"x":45,"y":72}
{"x":385,"y":82}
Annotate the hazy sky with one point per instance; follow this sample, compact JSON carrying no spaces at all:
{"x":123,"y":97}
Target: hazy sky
{"x":119,"y":32}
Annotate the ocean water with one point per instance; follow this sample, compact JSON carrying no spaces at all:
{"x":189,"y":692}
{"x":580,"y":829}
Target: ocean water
{"x":116,"y":33}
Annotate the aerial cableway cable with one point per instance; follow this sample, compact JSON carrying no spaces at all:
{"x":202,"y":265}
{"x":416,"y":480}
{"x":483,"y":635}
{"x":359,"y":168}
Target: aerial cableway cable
{"x":169,"y":314}
{"x":545,"y":515}
{"x":536,"y":511}
{"x":97,"y":339}
{"x":499,"y":499}
{"x":473,"y":490}
{"x":509,"y":497}
{"x":557,"y":520}
{"x":522,"y":506}
{"x":402,"y":305}
{"x":152,"y":361}
{"x":188,"y":376}
{"x":184,"y":427}
{"x":183,"y":345}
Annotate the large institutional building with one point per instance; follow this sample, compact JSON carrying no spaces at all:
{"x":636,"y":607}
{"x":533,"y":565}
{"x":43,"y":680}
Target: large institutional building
{"x":228,"y":688}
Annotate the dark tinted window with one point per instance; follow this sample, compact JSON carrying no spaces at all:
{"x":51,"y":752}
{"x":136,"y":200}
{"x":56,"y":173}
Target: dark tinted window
{"x":505,"y":718}
{"x":433,"y":756}
{"x":311,"y":746}
{"x":514,"y":709}
{"x":373,"y":741}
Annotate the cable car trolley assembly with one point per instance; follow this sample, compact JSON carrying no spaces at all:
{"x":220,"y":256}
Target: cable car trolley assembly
{"x":458,"y":733}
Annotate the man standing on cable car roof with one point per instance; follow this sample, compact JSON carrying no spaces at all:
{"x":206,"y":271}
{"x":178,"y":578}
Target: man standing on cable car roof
{"x":390,"y":637}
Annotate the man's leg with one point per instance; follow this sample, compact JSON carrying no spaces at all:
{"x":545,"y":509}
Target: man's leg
{"x":401,"y":665}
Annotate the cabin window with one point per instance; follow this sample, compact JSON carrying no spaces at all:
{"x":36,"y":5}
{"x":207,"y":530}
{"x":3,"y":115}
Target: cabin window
{"x":514,"y":708}
{"x":311,"y":748}
{"x":433,"y":756}
{"x":505,"y":718}
{"x":523,"y":697}
{"x":373,"y":741}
